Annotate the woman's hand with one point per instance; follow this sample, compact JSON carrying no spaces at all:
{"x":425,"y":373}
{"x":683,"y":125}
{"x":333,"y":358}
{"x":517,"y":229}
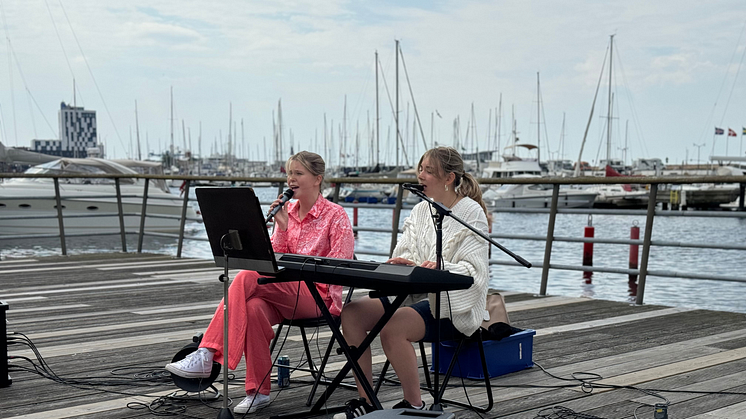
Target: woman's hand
{"x":429,"y":264}
{"x":400,"y":261}
{"x":281,"y":218}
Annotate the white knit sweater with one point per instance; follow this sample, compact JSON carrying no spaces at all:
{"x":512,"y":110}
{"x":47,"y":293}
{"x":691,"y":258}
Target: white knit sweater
{"x":464,"y":253}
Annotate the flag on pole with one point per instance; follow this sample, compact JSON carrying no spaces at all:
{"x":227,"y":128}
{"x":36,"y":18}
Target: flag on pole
{"x":744,"y":131}
{"x":731,"y":133}
{"x":719,"y":131}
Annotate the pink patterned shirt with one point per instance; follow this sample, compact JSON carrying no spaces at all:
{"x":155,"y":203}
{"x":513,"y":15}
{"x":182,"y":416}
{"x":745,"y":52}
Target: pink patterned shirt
{"x":325,"y":231}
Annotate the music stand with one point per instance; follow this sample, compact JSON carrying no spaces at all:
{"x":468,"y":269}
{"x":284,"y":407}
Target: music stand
{"x":239,"y":239}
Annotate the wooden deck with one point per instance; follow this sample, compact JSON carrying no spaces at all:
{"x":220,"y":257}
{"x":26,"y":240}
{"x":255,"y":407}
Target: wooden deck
{"x":95,"y":316}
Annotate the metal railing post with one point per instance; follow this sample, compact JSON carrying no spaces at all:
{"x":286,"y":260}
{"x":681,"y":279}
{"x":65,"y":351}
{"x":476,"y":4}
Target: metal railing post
{"x":337,"y":187}
{"x":121,"y":216}
{"x":741,"y":193}
{"x":143,"y":213}
{"x":279,"y":189}
{"x":183,"y":218}
{"x":397,"y":216}
{"x":653,"y":196}
{"x":550,"y":239}
{"x":59,"y":216}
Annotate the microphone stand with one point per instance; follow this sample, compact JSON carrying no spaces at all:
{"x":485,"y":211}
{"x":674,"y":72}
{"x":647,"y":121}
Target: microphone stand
{"x":441,"y":211}
{"x":229,"y":241}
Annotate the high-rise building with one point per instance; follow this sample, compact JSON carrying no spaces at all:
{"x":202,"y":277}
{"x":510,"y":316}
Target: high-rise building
{"x":77,"y":134}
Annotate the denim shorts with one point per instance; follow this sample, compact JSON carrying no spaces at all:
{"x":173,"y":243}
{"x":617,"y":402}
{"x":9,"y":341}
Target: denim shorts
{"x":447,"y":330}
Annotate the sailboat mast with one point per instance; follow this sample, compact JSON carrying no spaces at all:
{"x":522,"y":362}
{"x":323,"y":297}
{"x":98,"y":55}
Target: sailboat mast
{"x":199,"y":149}
{"x":512,"y":117}
{"x":75,"y":114}
{"x":562,"y":138}
{"x":344,"y":135}
{"x":378,"y":139}
{"x":137,"y":133}
{"x":608,"y":117}
{"x":538,"y":119}
{"x":183,"y":137}
{"x":326,"y":142}
{"x":626,"y":130}
{"x":396,"y":90}
{"x":498,"y":123}
{"x":172,"y":124}
{"x":280,"y":154}
{"x":230,"y":135}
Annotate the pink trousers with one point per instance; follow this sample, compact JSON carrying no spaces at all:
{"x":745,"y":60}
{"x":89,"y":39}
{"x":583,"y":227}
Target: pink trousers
{"x":252,"y":311}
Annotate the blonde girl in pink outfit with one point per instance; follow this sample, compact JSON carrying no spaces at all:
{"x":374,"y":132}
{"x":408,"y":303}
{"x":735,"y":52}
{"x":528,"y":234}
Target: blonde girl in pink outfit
{"x":310,"y":225}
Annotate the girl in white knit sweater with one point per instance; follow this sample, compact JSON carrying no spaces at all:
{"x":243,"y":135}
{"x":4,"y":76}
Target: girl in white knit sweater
{"x":441,"y":173}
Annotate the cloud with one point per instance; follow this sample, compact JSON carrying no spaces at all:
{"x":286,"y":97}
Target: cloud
{"x":311,"y":54}
{"x":163,"y":34}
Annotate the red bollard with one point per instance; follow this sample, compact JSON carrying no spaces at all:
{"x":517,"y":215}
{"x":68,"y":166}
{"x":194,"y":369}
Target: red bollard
{"x":354,"y":218}
{"x":634,"y":234}
{"x":588,"y":250}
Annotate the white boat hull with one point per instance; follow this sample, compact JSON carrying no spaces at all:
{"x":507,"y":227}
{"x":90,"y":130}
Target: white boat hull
{"x":566,"y":200}
{"x":83,"y":207}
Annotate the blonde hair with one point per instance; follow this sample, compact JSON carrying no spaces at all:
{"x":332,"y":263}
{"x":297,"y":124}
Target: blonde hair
{"x":310,"y":161}
{"x":448,"y":160}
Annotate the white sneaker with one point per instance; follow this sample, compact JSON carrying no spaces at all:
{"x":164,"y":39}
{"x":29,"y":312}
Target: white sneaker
{"x":197,"y":364}
{"x":251,"y":403}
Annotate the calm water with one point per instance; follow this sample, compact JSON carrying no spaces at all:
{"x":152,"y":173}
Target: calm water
{"x":716,"y":295}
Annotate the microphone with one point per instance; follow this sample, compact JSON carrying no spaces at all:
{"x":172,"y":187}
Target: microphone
{"x":413,"y":186}
{"x":285,"y":198}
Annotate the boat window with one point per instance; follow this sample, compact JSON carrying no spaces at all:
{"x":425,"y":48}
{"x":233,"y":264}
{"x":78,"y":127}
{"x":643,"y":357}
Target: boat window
{"x":92,"y":208}
{"x":2,"y":205}
{"x":63,"y":207}
{"x":24,"y":206}
{"x":540,"y":187}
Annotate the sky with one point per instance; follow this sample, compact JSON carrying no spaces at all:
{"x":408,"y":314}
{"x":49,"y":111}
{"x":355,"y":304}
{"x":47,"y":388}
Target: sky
{"x":677,"y":73}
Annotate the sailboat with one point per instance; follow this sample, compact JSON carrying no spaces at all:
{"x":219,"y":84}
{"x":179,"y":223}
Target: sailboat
{"x":528,"y":195}
{"x":619,"y":195}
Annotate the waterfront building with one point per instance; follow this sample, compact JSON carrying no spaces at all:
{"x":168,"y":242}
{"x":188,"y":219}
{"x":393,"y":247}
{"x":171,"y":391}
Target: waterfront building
{"x":77,"y":135}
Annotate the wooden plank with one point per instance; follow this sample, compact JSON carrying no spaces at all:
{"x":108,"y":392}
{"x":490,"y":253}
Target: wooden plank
{"x":49,"y":308}
{"x":736,"y":411}
{"x":610,"y":321}
{"x":542,"y":303}
{"x":667,"y":370}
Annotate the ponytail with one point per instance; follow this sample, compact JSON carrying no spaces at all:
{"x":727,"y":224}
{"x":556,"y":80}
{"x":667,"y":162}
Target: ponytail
{"x":468,"y":186}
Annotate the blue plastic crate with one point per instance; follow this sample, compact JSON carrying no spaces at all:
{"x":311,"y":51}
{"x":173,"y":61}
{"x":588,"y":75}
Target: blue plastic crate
{"x":510,"y":354}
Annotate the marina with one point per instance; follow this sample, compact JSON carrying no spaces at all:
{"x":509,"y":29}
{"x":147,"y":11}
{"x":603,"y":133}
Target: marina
{"x":688,"y":249}
{"x":578,"y":121}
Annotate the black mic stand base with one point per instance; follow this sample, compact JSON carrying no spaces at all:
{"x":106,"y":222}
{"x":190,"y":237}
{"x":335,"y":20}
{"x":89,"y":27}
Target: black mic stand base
{"x":225,"y":413}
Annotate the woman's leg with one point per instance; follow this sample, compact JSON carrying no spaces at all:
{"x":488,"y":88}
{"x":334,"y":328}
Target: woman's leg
{"x":359,"y":317}
{"x":252,"y":311}
{"x":406,"y":326}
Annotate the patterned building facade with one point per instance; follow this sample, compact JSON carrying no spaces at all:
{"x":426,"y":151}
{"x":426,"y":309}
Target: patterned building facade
{"x":77,"y":134}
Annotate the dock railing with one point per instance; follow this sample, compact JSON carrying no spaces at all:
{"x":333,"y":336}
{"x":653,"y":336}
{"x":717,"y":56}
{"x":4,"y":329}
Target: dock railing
{"x":652,"y":184}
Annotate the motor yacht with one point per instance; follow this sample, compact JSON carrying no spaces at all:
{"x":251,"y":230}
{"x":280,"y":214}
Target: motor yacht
{"x":89,"y":205}
{"x":535,"y":196}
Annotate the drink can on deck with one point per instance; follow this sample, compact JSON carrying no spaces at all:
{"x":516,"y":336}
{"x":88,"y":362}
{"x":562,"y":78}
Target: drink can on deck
{"x":283,"y":371}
